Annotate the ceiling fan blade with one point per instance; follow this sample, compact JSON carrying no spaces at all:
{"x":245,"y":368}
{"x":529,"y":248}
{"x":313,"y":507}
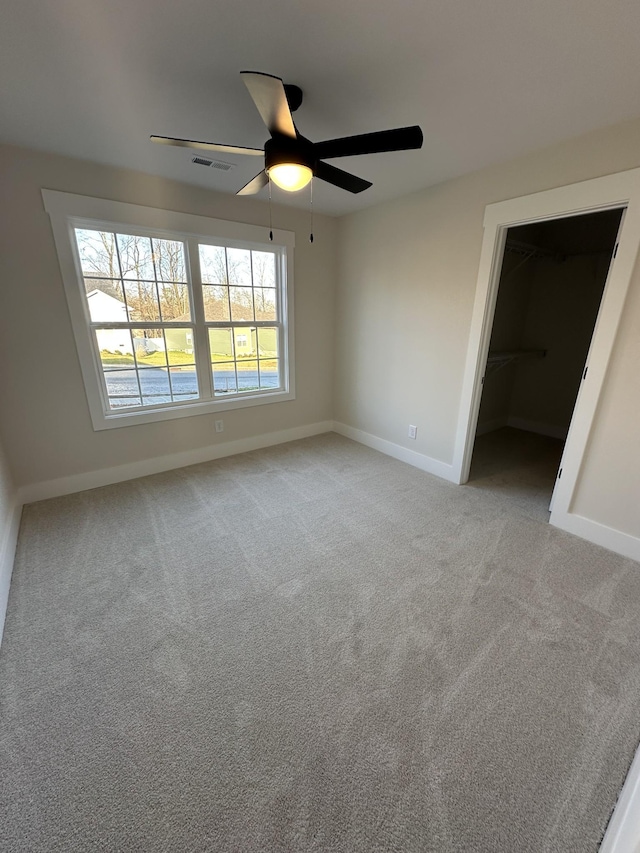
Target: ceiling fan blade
{"x":207,"y":146}
{"x":255,"y":184}
{"x":340,"y":178}
{"x":270,"y":98}
{"x":400,"y":139}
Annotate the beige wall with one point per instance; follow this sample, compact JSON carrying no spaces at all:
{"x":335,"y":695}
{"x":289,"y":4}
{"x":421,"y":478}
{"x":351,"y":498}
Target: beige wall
{"x":408,"y":269}
{"x":44,"y":418}
{"x":560,"y":319}
{"x":609,"y":489}
{"x":542,"y":305}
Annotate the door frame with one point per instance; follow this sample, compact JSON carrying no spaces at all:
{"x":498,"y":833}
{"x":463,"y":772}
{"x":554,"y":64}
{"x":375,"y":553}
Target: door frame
{"x":621,"y":190}
{"x":587,"y":362}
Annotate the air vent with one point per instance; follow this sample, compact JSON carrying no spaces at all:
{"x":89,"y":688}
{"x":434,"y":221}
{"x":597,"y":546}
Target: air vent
{"x":224,"y":167}
{"x":215,"y":164}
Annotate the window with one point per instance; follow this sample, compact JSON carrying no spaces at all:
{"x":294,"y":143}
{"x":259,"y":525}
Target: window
{"x":239,"y":288}
{"x":173,"y":314}
{"x":131,"y":280}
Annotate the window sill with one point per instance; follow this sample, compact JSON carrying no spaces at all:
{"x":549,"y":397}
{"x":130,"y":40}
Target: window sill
{"x":115,"y":420}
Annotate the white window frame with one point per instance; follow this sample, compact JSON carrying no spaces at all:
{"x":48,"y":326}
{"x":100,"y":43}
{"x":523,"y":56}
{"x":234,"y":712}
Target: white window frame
{"x":68,"y":211}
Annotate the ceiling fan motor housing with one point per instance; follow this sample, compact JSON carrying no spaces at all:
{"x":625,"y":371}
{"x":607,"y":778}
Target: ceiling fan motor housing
{"x":284,"y":149}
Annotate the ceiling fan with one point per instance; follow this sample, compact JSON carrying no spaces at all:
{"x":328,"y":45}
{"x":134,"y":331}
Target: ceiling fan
{"x":290,"y":159}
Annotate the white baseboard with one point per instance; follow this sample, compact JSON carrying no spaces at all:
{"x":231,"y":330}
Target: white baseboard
{"x":120,"y":473}
{"x":535,"y":426}
{"x":7,"y":555}
{"x":623,"y":831}
{"x":599,"y":534}
{"x":411,"y":457}
{"x":592,"y":531}
{"x":524,"y":424}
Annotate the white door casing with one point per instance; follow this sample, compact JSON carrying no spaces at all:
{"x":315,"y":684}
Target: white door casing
{"x":621,"y":190}
{"x":585,"y":368}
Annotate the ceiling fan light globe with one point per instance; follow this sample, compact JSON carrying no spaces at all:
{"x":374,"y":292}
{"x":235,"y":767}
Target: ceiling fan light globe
{"x":290,"y":176}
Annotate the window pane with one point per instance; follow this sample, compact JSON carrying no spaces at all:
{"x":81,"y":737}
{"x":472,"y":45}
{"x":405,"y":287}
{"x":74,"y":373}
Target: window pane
{"x":248,"y":376}
{"x":97,"y":251}
{"x":154,"y":383}
{"x":265,"y":299}
{"x":169,"y":260}
{"x":269,"y":377}
{"x":105,"y":300}
{"x":224,"y":378}
{"x":122,"y":388}
{"x":160,"y":385}
{"x":269,"y":363}
{"x":239,"y":266}
{"x":142,"y":301}
{"x":221,"y":344}
{"x":268,"y":342}
{"x":241,"y":303}
{"x":216,"y":303}
{"x":149,"y":347}
{"x":174,"y":301}
{"x":115,"y":347}
{"x":136,"y":258}
{"x":245,"y":341}
{"x":264,"y":269}
{"x":179,"y":346}
{"x":213,"y":264}
{"x":184,"y":382}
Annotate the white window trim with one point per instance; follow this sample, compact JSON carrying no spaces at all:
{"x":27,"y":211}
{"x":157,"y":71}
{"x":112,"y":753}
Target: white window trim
{"x":68,"y":211}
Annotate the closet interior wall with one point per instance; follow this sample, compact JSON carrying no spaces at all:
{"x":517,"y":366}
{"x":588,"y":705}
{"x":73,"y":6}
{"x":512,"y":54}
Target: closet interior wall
{"x":545,"y":313}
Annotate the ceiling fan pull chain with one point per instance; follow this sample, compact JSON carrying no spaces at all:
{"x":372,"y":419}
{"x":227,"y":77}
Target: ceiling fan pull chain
{"x":270,"y":220}
{"x":311,"y":211}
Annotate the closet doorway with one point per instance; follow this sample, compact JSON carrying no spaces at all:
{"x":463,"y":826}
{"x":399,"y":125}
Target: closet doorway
{"x":550,"y":290}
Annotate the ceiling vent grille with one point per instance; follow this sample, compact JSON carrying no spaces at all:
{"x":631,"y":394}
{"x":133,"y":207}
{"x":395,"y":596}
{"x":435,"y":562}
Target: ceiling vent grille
{"x":215,"y":164}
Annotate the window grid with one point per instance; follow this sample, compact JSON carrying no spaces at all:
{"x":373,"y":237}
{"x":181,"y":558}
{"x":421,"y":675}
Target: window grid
{"x":138,"y":370}
{"x":253,"y":298}
{"x":252,"y":326}
{"x":254,"y":363}
{"x":133,"y":347}
{"x":233,"y":337}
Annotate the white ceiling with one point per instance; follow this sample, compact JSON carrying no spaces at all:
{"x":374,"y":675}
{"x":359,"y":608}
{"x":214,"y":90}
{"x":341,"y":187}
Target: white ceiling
{"x":486,"y":81}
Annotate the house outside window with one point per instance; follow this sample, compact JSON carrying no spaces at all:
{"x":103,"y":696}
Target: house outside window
{"x":183,"y":319}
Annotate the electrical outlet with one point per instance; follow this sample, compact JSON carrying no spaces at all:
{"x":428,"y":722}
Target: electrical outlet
{"x":219,"y":425}
{"x":412,"y":431}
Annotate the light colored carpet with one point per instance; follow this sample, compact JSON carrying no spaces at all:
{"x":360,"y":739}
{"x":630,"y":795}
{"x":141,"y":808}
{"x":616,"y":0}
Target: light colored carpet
{"x":520,"y":467}
{"x":313,"y":647}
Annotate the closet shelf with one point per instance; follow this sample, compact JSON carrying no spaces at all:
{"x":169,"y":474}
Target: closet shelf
{"x":497,"y":359}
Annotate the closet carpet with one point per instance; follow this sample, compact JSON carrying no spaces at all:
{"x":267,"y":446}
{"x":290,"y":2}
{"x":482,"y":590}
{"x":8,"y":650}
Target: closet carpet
{"x":314,"y":647}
